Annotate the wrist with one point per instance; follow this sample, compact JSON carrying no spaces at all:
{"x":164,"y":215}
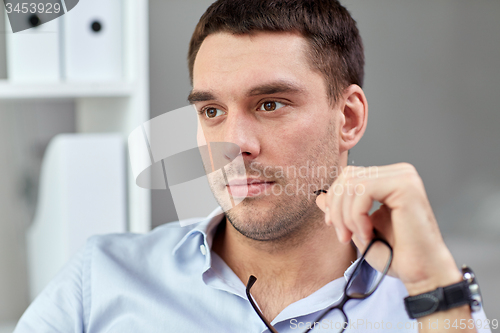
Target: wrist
{"x":440,"y":278}
{"x":458,"y":296}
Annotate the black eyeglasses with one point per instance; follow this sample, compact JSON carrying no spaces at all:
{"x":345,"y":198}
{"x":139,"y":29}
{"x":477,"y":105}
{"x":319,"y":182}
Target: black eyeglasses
{"x":361,"y":284}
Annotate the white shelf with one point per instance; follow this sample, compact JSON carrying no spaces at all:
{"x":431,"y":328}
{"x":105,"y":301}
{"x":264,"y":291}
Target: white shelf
{"x":12,"y":90}
{"x":108,"y":106}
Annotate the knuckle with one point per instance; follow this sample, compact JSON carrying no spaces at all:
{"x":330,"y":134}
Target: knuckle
{"x":410,"y":176}
{"x":408,"y":167}
{"x":412,"y":181}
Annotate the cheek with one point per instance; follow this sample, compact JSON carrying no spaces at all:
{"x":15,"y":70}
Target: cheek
{"x":209,"y":133}
{"x":306,"y":137}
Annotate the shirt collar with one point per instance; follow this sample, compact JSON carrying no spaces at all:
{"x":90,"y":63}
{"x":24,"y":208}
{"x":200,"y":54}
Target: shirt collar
{"x":205,"y":227}
{"x":325,"y":296}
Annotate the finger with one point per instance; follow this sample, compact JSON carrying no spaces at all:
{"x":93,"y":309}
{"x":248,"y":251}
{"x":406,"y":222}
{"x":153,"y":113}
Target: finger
{"x":361,"y":246}
{"x":360,"y":207}
{"x":321,"y":201}
{"x":334,"y":202}
{"x":347,"y":200}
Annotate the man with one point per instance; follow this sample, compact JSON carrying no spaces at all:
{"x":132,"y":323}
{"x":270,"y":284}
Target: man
{"x":282,"y":80}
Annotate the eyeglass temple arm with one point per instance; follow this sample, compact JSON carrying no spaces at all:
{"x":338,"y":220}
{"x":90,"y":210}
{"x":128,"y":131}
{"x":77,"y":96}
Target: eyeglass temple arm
{"x":250,"y":283}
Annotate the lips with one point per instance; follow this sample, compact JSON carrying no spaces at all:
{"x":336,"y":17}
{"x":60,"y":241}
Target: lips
{"x":248,"y":187}
{"x":248,"y":181}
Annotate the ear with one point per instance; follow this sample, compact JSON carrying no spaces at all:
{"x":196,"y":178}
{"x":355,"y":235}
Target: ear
{"x":353,"y":117}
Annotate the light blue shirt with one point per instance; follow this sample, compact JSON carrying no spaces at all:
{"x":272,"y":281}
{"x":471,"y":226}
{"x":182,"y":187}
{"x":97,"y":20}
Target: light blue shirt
{"x":169,"y":280}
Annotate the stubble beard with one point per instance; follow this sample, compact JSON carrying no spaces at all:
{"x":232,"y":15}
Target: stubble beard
{"x":290,"y":217}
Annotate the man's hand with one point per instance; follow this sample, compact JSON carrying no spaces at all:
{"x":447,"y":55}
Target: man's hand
{"x":421,"y":259}
{"x":405,"y":219}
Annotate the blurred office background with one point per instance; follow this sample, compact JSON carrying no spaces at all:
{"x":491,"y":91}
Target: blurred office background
{"x":432,"y":82}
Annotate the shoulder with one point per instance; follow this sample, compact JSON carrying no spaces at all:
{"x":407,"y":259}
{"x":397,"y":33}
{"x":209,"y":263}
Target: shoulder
{"x":161,"y":239}
{"x":108,"y":267}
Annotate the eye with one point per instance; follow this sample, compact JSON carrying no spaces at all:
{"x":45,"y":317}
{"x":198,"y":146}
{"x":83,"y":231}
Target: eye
{"x":271,"y":106}
{"x":212,"y":112}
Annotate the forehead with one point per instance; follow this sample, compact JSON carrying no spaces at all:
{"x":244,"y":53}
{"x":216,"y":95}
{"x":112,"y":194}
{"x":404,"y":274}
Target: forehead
{"x":229,"y":63}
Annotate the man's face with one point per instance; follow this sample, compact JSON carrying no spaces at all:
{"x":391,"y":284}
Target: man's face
{"x":259,"y":92}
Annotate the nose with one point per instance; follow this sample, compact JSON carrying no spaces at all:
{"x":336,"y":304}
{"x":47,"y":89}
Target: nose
{"x":241,"y":129}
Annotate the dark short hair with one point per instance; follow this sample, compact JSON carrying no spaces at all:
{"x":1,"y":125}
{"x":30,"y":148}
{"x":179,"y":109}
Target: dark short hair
{"x":336,"y":49}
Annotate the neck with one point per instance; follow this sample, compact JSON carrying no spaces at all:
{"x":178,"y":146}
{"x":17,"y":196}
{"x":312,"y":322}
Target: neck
{"x":287,"y":270}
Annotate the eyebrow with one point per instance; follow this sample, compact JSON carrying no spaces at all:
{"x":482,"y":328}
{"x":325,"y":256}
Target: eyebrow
{"x":264,"y":89}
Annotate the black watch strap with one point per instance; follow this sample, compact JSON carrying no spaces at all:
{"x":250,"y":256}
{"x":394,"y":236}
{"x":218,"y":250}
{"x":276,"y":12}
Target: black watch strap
{"x":441,"y":299}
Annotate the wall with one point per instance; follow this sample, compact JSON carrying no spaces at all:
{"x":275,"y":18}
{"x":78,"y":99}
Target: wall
{"x":171,"y":24}
{"x":432,"y":77}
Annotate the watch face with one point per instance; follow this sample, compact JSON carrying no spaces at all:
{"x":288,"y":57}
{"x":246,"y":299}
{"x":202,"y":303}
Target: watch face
{"x":475,"y":294}
{"x":475,"y":297}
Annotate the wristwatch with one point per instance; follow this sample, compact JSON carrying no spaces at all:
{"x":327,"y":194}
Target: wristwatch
{"x":444,"y":298}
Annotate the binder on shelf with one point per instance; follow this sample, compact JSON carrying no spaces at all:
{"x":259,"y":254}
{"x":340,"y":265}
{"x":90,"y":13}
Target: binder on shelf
{"x":93,"y":41}
{"x":33,"y":55}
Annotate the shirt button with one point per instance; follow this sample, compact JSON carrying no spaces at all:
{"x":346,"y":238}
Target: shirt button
{"x":203,"y":249}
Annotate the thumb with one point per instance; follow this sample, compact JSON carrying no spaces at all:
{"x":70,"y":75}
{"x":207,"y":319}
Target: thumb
{"x":321,"y":201}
